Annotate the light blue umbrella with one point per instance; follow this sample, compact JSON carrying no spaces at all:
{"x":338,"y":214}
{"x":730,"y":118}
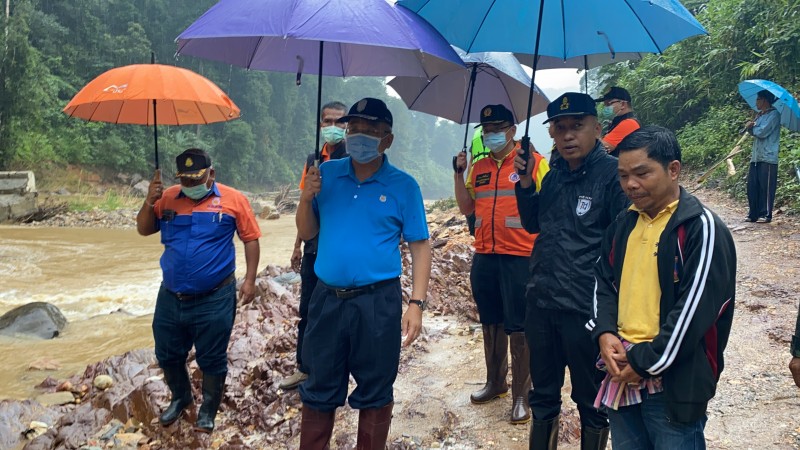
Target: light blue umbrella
{"x":562,"y":29}
{"x":786,"y":104}
{"x":569,"y":28}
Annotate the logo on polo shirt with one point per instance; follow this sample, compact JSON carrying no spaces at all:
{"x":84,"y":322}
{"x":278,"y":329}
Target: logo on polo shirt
{"x":514,"y":177}
{"x":382,"y":198}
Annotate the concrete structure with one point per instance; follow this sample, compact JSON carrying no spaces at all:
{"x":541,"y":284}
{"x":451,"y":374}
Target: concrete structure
{"x":17,"y":195}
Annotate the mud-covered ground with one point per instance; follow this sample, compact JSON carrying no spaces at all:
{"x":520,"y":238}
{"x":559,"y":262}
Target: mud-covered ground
{"x":757,"y":405}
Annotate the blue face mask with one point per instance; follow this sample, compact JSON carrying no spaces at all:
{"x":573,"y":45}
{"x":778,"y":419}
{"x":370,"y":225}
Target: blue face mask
{"x":362,"y":147}
{"x":608,"y":111}
{"x":495,"y":141}
{"x":196,"y":192}
{"x":332,"y":134}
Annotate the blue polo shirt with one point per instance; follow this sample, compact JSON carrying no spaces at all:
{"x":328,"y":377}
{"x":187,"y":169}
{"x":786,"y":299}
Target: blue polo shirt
{"x":198,"y":236}
{"x":360,"y":223}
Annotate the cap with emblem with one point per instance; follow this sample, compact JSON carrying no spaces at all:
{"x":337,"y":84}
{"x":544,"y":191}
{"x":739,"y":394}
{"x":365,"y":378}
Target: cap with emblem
{"x":192,"y":163}
{"x":615,"y":93}
{"x":495,"y":114}
{"x":571,"y":104}
{"x":370,"y":109}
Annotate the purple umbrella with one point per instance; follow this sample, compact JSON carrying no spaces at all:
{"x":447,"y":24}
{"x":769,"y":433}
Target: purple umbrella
{"x":329,"y":37}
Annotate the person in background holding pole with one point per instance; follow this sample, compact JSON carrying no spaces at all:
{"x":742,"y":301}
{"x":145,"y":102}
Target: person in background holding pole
{"x":617,"y":104}
{"x":500,"y":262}
{"x":762,"y":179}
{"x":303,"y":262}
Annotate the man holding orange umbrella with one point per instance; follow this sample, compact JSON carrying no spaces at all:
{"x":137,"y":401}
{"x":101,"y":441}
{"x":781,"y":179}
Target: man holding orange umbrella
{"x":196,"y":302}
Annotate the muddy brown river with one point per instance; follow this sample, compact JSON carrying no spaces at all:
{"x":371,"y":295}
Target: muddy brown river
{"x":105,"y":282}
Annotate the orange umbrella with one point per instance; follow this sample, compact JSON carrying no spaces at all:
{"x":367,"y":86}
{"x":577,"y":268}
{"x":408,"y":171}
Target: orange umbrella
{"x":152,"y":94}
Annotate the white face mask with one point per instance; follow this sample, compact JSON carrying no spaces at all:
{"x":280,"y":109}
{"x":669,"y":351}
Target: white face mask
{"x":495,"y":141}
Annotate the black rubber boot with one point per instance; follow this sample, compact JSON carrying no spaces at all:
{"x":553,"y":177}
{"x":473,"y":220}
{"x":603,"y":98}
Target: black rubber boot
{"x":495,"y":349}
{"x":520,"y":379}
{"x":544,"y":434}
{"x":594,"y":438}
{"x":213,"y":387}
{"x":177,"y":378}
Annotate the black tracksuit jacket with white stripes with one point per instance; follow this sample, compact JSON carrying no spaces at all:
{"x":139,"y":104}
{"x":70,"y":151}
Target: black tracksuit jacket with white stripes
{"x":697,"y":274}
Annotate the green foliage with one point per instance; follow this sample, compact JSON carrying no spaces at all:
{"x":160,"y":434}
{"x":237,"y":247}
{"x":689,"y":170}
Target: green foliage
{"x":55,"y":48}
{"x":692,"y":87}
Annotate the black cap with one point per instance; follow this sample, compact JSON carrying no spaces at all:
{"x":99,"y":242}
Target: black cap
{"x":615,"y":93}
{"x":192,"y":163}
{"x":571,"y":104}
{"x":495,"y":114}
{"x":370,"y":109}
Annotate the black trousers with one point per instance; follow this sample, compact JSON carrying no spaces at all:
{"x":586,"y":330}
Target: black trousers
{"x":308,"y":281}
{"x":557,"y":340}
{"x":762,"y":180}
{"x":498,"y":286}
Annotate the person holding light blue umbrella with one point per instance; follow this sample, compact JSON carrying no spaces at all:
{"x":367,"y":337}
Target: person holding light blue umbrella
{"x":776,"y":107}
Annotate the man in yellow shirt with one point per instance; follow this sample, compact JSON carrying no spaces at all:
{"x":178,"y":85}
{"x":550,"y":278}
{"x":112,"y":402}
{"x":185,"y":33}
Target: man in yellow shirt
{"x":664,"y":301}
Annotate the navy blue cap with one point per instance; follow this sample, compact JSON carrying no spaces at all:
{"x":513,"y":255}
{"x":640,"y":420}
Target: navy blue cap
{"x":192,"y":163}
{"x":370,"y":109}
{"x":571,"y":104}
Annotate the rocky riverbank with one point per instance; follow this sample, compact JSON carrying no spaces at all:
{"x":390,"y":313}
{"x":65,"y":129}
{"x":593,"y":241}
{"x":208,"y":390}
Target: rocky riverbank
{"x":80,"y":413}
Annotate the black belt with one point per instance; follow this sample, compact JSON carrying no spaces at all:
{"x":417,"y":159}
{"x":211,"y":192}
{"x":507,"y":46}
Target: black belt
{"x":347,"y":293}
{"x":187,"y":297}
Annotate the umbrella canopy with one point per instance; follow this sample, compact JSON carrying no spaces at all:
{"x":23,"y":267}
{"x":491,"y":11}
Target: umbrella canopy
{"x":569,"y":28}
{"x":327,"y":37}
{"x":786,"y":104}
{"x":499,"y":79}
{"x":126,"y":94}
{"x":152,"y":94}
{"x":362,"y":38}
{"x":562,"y":29}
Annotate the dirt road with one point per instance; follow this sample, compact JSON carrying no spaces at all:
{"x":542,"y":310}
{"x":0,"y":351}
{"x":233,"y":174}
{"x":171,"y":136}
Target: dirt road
{"x":757,"y":406}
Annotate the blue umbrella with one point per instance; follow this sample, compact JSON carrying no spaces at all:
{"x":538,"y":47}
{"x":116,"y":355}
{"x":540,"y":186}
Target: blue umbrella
{"x":786,"y":104}
{"x":327,"y":37}
{"x":562,"y":29}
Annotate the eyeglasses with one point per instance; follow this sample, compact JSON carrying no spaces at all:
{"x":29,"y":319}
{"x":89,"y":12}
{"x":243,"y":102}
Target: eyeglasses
{"x":491,"y":129}
{"x":371,"y":131}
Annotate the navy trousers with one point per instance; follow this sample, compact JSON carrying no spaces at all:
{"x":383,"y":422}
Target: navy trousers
{"x":204,"y":322}
{"x":358,"y":336}
{"x":762,"y":181}
{"x":557,"y":340}
{"x":308,"y":281}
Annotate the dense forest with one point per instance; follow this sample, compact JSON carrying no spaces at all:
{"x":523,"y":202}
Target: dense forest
{"x":692,"y":87}
{"x":51,"y":48}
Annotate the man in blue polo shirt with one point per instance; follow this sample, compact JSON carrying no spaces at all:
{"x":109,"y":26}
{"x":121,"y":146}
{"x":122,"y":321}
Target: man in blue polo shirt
{"x":196,"y":303}
{"x":354,"y":319}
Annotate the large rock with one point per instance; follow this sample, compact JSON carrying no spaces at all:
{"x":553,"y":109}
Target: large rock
{"x":141,"y":187}
{"x":38,"y":319}
{"x":17,"y":195}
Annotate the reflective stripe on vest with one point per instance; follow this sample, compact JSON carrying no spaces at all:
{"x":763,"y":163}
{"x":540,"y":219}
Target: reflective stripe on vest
{"x":498,"y":228}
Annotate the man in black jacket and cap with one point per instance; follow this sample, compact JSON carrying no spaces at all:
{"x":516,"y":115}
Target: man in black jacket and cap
{"x":579,"y":198}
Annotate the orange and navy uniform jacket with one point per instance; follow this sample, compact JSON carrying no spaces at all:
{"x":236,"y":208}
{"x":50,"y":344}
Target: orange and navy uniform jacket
{"x":198,"y":236}
{"x":337,"y":151}
{"x":498,"y":228}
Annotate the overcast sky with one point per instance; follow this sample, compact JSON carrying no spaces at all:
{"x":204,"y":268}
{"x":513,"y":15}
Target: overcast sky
{"x":553,"y":82}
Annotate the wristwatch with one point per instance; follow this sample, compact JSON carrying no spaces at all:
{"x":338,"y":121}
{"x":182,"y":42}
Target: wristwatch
{"x":420,"y":303}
